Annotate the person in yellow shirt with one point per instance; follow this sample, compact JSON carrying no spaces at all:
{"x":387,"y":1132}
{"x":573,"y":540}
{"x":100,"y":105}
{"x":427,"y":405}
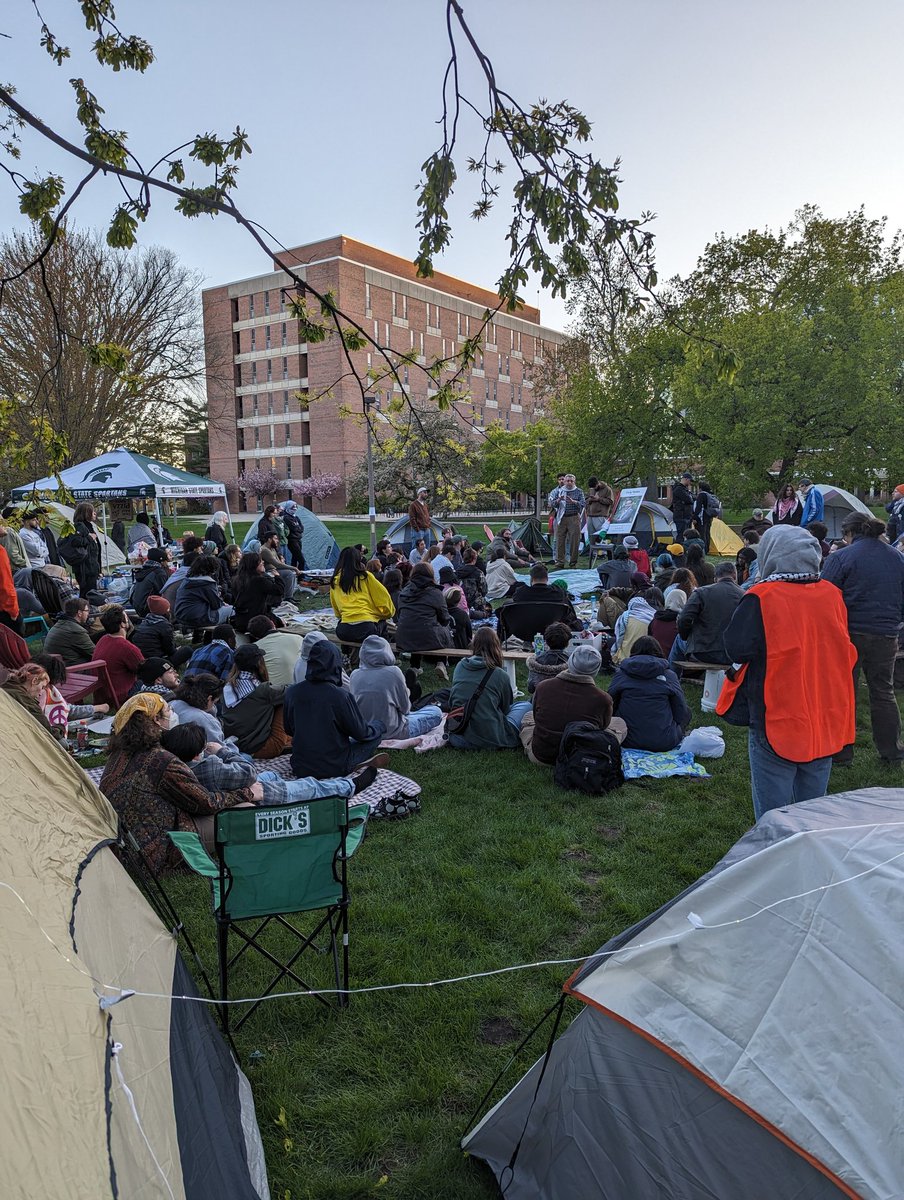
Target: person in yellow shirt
{"x":361,"y":603}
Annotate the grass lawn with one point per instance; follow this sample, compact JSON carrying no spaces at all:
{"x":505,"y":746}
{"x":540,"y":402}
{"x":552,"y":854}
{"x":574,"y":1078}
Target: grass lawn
{"x":345,"y":532}
{"x":499,"y":868}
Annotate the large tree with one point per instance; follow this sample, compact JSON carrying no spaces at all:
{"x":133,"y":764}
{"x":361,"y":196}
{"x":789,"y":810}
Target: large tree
{"x":561,"y":195}
{"x":813,"y":316}
{"x":90,"y":296}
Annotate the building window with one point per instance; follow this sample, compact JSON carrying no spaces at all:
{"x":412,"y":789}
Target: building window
{"x":405,"y":374}
{"x":495,"y":391}
{"x":288,"y":468}
{"x":250,"y":306}
{"x":283,"y":334}
{"x":285,"y":368}
{"x":253,"y":332}
{"x":420,"y":342}
{"x":404,"y":307}
{"x":235,"y":310}
{"x":254,"y":372}
{"x":270,"y":405}
{"x":508,"y":365}
{"x":288,"y":434}
{"x":517,"y":346}
{"x":237,"y":343}
{"x":487,"y":390}
{"x":285,"y":401}
{"x":267,"y":335}
{"x":507,"y":420}
{"x":267,"y":302}
{"x":257,"y":435}
{"x":458,"y":317}
{"x":269,"y":370}
{"x":387,"y":328}
{"x":367,"y":309}
{"x":254,"y":406}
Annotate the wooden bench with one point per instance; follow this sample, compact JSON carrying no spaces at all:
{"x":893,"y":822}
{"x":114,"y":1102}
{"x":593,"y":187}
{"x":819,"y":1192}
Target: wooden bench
{"x":509,"y":657}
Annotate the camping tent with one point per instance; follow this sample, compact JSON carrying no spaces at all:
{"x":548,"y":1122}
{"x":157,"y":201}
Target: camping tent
{"x":76,"y":928}
{"x":838,"y":505}
{"x":404,"y":537}
{"x":123,"y":474}
{"x":530,"y":532}
{"x":321,"y":551}
{"x":57,"y":514}
{"x":742,"y":1041}
{"x":654,"y":525}
{"x":723,"y":540}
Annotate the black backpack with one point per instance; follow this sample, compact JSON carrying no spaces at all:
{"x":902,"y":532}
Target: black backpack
{"x":589,"y":760}
{"x":72,"y":549}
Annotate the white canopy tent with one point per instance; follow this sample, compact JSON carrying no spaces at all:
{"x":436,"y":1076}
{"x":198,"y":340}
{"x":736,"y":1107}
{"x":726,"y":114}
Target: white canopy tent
{"x":125,"y":474}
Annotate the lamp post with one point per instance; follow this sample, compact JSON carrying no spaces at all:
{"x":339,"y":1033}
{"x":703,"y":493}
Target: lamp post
{"x":371,"y":401}
{"x":537,"y":498}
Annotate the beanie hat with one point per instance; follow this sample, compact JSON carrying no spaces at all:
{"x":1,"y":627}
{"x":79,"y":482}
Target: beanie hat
{"x":585,"y":660}
{"x":899,"y":490}
{"x":788,"y":550}
{"x":153,"y":668}
{"x":631,"y":542}
{"x":159,"y":606}
{"x":157,"y":554}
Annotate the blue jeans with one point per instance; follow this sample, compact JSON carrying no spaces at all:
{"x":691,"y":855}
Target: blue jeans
{"x":516,"y":713}
{"x":424,"y":720}
{"x":678,"y":650}
{"x":292,"y":791}
{"x":359,"y":752}
{"x":776,"y":782}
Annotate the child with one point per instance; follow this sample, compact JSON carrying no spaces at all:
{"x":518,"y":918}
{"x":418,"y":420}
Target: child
{"x":551,"y":661}
{"x":58,"y":711}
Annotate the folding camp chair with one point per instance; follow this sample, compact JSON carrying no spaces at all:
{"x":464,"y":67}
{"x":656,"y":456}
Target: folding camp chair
{"x":273,"y":861}
{"x":522,"y":619}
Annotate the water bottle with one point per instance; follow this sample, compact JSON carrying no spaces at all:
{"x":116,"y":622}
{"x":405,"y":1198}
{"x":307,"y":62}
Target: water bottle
{"x":82,"y":742}
{"x":539,"y":644}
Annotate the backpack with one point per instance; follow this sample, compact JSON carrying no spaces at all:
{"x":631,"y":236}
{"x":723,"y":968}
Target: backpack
{"x":713,"y":505}
{"x":72,"y":549}
{"x":589,"y":760}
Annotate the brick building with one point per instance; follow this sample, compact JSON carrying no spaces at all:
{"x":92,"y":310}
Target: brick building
{"x":256,"y":364}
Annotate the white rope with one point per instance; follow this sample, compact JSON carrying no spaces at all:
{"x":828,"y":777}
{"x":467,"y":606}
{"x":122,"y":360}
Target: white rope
{"x":117,"y":1050}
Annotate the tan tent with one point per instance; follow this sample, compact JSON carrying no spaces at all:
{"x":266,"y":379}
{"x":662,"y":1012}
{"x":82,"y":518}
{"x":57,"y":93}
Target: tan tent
{"x":75,"y":929}
{"x":723,"y":541}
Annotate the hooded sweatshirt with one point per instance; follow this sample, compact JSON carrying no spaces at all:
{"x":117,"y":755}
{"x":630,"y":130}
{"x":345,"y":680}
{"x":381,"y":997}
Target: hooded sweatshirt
{"x":301,"y":663}
{"x":322,"y":718}
{"x":379,"y":687}
{"x":198,"y":601}
{"x":648,"y":697}
{"x":488,"y":729}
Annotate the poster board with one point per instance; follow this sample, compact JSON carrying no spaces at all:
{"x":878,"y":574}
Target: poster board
{"x":627,"y":506}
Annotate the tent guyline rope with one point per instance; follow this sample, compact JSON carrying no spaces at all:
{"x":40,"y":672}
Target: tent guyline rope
{"x":696,"y":923}
{"x":116,"y":1051}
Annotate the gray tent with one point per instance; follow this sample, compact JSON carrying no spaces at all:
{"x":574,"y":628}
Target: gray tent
{"x":403,"y":536}
{"x":743,"y":1042}
{"x":838,"y":505}
{"x":530,"y":533}
{"x":320,"y":548}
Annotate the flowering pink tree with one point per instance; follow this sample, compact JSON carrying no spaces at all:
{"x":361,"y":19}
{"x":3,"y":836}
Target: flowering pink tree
{"x":259,"y":482}
{"x":318,"y":486}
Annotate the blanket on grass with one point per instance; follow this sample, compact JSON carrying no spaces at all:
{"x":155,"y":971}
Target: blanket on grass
{"x":662,"y":765}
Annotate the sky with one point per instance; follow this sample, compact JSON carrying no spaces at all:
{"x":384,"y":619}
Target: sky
{"x":726,"y":116}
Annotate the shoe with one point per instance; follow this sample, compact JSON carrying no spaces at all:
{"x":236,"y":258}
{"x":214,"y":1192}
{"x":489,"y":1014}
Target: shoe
{"x":378,"y":760}
{"x":441,"y":670}
{"x":364,"y":779}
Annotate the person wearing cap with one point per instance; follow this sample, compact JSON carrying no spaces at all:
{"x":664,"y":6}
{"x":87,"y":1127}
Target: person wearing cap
{"x":637,"y":555}
{"x":35,"y":545}
{"x":682,"y":504}
{"x":154,"y":635}
{"x":814,"y":504}
{"x":572,"y":695}
{"x":792,"y":683}
{"x":159,"y":676}
{"x":757,"y":522}
{"x":648,"y":697}
{"x":155,"y":793}
{"x":419,"y":518}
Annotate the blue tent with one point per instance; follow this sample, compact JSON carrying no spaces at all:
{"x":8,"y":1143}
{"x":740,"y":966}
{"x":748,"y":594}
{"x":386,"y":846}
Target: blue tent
{"x":321,"y":551}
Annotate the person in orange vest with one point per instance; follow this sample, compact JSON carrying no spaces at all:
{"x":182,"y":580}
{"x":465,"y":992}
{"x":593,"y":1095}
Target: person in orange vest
{"x":791,"y":683}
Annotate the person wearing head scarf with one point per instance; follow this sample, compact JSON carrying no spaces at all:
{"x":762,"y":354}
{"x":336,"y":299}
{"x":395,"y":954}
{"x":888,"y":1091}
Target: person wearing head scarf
{"x":152,"y":791}
{"x":294,"y":534}
{"x":792,"y":682}
{"x":216,"y":532}
{"x":572,"y":695}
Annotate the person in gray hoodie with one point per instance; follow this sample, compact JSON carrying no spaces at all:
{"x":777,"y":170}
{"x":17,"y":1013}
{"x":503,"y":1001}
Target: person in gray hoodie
{"x":301,"y":663}
{"x":379,"y":687}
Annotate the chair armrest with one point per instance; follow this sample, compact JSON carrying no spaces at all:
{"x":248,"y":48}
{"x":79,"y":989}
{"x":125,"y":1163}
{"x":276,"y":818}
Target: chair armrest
{"x":196,"y":857}
{"x":357,"y":827}
{"x":97,"y":667}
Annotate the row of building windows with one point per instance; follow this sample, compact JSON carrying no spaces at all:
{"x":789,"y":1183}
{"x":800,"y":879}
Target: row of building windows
{"x":267,"y":370}
{"x":269,"y":403}
{"x":268,"y":335}
{"x":287,"y":435}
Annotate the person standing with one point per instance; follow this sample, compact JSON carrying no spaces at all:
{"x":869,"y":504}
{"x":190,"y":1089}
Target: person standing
{"x":787,"y":509}
{"x":216,"y":530}
{"x":88,"y":570}
{"x":707,"y":507}
{"x":600,"y":498}
{"x":294,"y":534}
{"x":569,"y":506}
{"x":870,"y":577}
{"x":793,"y":685}
{"x":30,"y":533}
{"x":814,"y":504}
{"x":682,"y":505}
{"x":419,"y":518}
